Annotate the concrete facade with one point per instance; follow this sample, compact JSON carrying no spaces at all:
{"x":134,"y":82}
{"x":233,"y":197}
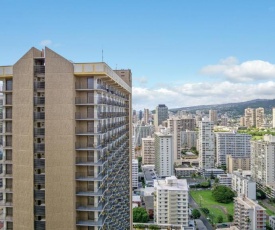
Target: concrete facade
{"x":70,"y":125}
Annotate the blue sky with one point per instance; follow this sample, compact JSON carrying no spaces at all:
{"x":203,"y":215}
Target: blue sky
{"x":181,"y":52}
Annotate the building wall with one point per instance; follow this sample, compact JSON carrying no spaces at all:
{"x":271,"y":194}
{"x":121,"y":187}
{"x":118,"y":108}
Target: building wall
{"x":148,"y":151}
{"x":23,"y":170}
{"x":235,"y":163}
{"x":60,"y":142}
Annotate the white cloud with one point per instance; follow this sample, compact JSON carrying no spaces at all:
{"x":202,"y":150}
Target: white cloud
{"x":241,"y":72}
{"x":201,"y":94}
{"x":46,"y":43}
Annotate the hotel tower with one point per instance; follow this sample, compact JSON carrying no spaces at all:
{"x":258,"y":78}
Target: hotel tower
{"x":66,"y":161}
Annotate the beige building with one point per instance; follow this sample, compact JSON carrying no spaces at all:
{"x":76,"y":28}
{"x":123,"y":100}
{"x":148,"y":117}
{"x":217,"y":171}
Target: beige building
{"x":66,"y":160}
{"x":148,"y":151}
{"x":146,"y":116}
{"x":213,"y":116}
{"x":250,"y":117}
{"x":259,"y":117}
{"x":171,"y":201}
{"x":242,"y":121}
{"x":234,"y":163}
{"x":176,"y":126}
{"x":248,"y":214}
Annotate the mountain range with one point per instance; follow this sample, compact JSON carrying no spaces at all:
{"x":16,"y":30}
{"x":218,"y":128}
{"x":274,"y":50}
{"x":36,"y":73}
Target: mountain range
{"x":232,"y":109}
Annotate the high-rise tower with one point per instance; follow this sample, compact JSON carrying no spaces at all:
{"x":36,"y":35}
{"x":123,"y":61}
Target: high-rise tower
{"x":66,"y":129}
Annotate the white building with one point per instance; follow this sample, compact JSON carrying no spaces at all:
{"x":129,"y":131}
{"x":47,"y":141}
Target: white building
{"x":206,"y":144}
{"x":272,"y":222}
{"x":134,"y":173}
{"x":225,"y":179}
{"x":234,"y":144}
{"x":263,"y":160}
{"x":185,"y":172}
{"x":212,"y":172}
{"x":164,"y":158}
{"x":148,"y":151}
{"x":171,"y":201}
{"x":243,"y":184}
{"x":248,"y":214}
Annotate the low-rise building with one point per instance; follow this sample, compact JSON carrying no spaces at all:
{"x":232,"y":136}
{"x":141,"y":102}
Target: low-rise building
{"x":171,"y":202}
{"x":234,"y":163}
{"x":185,"y":172}
{"x":225,"y":179}
{"x":212,"y":172}
{"x":243,"y":184}
{"x":248,"y":214}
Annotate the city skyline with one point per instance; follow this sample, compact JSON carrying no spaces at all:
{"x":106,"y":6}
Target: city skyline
{"x":180,"y":53}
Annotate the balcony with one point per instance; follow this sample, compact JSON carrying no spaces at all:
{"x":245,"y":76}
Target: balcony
{"x":6,"y":217}
{"x":39,"y":131}
{"x":40,"y":225}
{"x":84,"y":86}
{"x":39,"y":210}
{"x":85,"y":116}
{"x":6,"y":173}
{"x":39,"y":178}
{"x":88,"y":161}
{"x":39,"y":69}
{"x":39,"y":163}
{"x":39,"y":194}
{"x":39,"y":147}
{"x":8,"y":116}
{"x":39,"y":101}
{"x":85,"y":192}
{"x":87,"y":208}
{"x":39,"y":86}
{"x":39,"y":115}
{"x":88,"y":147}
{"x":85,"y":177}
{"x":95,"y":222}
{"x":85,"y":101}
{"x":6,"y":203}
{"x":6,"y":189}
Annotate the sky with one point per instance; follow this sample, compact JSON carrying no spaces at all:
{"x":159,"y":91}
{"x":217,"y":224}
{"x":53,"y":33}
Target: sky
{"x":181,"y":52}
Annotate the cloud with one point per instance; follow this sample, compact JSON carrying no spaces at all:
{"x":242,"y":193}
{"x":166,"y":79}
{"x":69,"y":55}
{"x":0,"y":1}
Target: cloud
{"x":46,"y":43}
{"x":232,"y":70}
{"x":142,"y":81}
{"x":201,"y":94}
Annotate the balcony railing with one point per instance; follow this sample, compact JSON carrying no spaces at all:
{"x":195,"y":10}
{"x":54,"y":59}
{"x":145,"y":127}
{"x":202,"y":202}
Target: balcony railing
{"x":39,"y":115}
{"x":39,"y":147}
{"x":39,"y":100}
{"x":39,"y":131}
{"x":39,"y":85}
{"x":39,"y":210}
{"x":39,"y":69}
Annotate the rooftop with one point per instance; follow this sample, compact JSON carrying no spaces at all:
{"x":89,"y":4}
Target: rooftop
{"x":171,"y":183}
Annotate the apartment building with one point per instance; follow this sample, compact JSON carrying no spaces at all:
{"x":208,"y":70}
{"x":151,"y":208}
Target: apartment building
{"x":206,"y":145}
{"x":142,"y":131}
{"x":242,"y":121}
{"x":164,"y":158}
{"x":176,"y":126}
{"x":146,"y":117}
{"x":67,"y":159}
{"x":259,"y":117}
{"x":224,"y":121}
{"x":189,"y":139}
{"x":148,"y":151}
{"x":243,"y":184}
{"x":263,"y":160}
{"x":225,"y":179}
{"x":171,"y":201}
{"x":161,"y":115}
{"x":234,"y":144}
{"x":234,"y":163}
{"x":250,"y":117}
{"x":213,"y":116}
{"x":134,"y":173}
{"x":272,"y":222}
{"x":248,"y":214}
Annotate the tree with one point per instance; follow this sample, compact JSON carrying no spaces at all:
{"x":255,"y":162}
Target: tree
{"x":260,"y":195}
{"x":196,"y":214}
{"x":205,"y":211}
{"x":223,"y":194}
{"x":154,"y":227}
{"x":230,"y":218}
{"x":219,"y":219}
{"x":140,"y":215}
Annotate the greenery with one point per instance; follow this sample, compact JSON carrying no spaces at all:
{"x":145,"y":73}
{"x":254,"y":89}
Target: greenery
{"x":257,"y":133}
{"x":204,"y":184}
{"x":139,"y":226}
{"x":194,"y":150}
{"x":140,"y":215}
{"x":260,"y":194}
{"x":196,"y":214}
{"x":230,"y":218}
{"x":223,"y":194}
{"x":205,"y":210}
{"x":153,"y":227}
{"x":205,"y":199}
{"x":219,"y":219}
{"x":139,"y":164}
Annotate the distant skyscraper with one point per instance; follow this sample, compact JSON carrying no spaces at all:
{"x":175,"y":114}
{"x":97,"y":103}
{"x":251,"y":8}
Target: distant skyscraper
{"x":140,"y":115}
{"x":206,"y":144}
{"x":67,"y":160}
{"x":164,"y":159}
{"x":250,"y":117}
{"x":259,"y":117}
{"x":161,"y":114}
{"x":213,"y":116}
{"x":146,"y":116}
